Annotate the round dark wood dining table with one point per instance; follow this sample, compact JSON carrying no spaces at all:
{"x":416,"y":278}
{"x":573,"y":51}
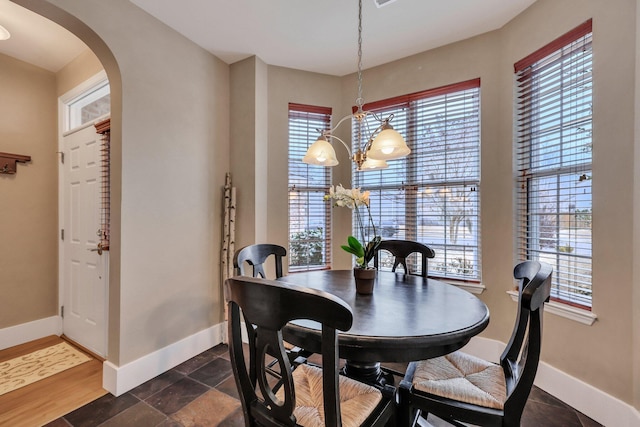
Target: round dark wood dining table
{"x":406,"y":318}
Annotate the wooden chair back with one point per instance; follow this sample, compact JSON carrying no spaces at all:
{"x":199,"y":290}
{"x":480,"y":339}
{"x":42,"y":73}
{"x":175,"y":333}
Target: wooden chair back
{"x":256,"y":256}
{"x":522,"y":354}
{"x":401,"y":249}
{"x":519,"y":363}
{"x":269,"y":306}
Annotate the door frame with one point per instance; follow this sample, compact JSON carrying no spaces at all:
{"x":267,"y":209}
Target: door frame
{"x":84,"y":87}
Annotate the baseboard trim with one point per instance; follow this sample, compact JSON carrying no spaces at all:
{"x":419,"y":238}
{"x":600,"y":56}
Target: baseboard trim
{"x":593,"y":402}
{"x":120,"y":379}
{"x":30,"y":331}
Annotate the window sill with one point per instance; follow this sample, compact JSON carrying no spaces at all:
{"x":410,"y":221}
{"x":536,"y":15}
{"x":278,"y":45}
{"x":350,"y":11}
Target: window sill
{"x":576,"y":314}
{"x":474,"y":288}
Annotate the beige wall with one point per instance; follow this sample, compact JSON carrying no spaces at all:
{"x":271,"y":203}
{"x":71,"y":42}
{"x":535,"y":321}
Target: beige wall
{"x":635,"y":299}
{"x":260,"y":97}
{"x":29,"y":212}
{"x":79,"y":70}
{"x":170,"y":153}
{"x":286,"y":85}
{"x":585,"y":352}
{"x":582,"y":351}
{"x":29,"y":217}
{"x":244,"y":153}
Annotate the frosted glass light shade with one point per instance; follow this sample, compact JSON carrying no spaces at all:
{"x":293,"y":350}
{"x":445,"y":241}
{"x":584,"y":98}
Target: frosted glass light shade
{"x":372,"y":165}
{"x":388,"y":145}
{"x":4,"y":33}
{"x":321,"y":153}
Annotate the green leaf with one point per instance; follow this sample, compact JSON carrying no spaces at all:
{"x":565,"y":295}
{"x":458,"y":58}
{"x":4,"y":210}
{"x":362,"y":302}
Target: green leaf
{"x":349,"y":249}
{"x":356,"y":246}
{"x":370,"y":251}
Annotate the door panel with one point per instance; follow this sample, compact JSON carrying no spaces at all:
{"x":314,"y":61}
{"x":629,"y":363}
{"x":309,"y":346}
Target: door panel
{"x":84,"y":268}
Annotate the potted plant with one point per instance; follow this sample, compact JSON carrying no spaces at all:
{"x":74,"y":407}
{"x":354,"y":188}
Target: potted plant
{"x":365,"y":245}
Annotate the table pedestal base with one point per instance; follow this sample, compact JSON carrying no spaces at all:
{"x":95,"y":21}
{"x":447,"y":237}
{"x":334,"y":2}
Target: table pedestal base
{"x":369,"y":373}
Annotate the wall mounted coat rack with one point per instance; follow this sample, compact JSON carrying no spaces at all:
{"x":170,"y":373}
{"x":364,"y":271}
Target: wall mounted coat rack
{"x":8,"y":162}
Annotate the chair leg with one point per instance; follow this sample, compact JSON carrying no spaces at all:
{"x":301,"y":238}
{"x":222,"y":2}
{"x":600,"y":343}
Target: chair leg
{"x":449,"y":421}
{"x":406,"y":415}
{"x":455,"y":423}
{"x":421,"y":419}
{"x":407,"y":418}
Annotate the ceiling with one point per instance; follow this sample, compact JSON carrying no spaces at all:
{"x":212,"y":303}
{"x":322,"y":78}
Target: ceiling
{"x":311,"y":35}
{"x":37,"y":40}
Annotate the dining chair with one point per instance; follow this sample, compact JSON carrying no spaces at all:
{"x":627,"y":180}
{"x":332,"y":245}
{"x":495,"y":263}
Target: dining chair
{"x":309,"y":395}
{"x":256,"y":256}
{"x":462,"y":388}
{"x":401,"y":250}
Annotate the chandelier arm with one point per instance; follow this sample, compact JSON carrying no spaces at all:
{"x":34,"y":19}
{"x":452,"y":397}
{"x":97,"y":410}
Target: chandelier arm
{"x":342,"y":120}
{"x":328,"y":135}
{"x":377,"y":117}
{"x":329,"y":132}
{"x":359,"y":156}
{"x":367,"y":146}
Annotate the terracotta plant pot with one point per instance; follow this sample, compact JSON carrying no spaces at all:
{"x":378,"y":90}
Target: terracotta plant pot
{"x":365,"y":279}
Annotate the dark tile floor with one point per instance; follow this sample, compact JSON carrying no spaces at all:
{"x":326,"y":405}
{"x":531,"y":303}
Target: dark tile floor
{"x":201,"y":392}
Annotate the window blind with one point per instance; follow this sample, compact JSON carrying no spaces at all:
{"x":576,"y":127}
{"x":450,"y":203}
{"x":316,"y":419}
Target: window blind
{"x":309,"y":214}
{"x":554,"y":155}
{"x":432,"y":195}
{"x":104,"y":129}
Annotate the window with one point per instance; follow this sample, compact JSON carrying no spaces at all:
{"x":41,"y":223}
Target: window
{"x":89,"y":106}
{"x":432,"y":195}
{"x":553,"y":144}
{"x":309,"y":214}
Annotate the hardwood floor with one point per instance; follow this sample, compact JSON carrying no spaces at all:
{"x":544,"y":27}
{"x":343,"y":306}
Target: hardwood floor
{"x":48,"y":399}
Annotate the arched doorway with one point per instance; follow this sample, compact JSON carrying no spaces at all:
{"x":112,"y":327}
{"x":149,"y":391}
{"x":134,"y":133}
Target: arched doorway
{"x":106,"y":58}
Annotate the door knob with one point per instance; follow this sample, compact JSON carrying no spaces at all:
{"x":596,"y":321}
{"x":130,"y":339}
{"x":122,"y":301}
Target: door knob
{"x":98,"y":249}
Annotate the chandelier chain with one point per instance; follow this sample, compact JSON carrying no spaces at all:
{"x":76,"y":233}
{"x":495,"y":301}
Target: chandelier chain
{"x":357,"y":157}
{"x":359,"y":100}
{"x":322,"y":153}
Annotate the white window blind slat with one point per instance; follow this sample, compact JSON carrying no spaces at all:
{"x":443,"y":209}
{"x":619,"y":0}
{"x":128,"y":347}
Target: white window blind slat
{"x":553,"y":107}
{"x":432,"y":196}
{"x":309,"y":214}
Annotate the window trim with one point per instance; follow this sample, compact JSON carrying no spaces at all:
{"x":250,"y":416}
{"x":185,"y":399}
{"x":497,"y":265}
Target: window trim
{"x":577,"y":314}
{"x":86,"y":88}
{"x":569,"y":308}
{"x":570,"y":36}
{"x":415,"y":96}
{"x":301,"y":111}
{"x":472,"y":284}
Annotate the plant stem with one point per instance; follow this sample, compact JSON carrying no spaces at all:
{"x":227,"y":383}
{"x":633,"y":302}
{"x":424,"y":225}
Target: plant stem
{"x":373,"y":224}
{"x":360,"y":225}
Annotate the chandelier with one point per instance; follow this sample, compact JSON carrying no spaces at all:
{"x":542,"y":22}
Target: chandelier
{"x":383,"y":144}
{"x":4,"y":33}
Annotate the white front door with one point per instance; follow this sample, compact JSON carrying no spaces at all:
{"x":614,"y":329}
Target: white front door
{"x":84,"y":268}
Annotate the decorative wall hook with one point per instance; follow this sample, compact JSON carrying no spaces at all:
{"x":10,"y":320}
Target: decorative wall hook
{"x":8,"y":162}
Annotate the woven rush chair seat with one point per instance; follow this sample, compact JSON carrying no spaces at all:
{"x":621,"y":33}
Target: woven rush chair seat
{"x":462,"y":377}
{"x":357,"y":400}
{"x":307,"y":395}
{"x":460,"y":388}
